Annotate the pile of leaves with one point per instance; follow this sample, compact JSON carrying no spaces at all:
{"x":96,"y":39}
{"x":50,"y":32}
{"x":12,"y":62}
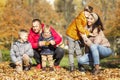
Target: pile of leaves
{"x":8,"y":73}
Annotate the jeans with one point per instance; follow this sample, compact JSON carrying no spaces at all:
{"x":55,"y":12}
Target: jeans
{"x":73,"y":46}
{"x":96,"y":53}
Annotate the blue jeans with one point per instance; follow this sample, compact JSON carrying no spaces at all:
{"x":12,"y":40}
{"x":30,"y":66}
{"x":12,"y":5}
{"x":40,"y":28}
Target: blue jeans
{"x":96,"y":53}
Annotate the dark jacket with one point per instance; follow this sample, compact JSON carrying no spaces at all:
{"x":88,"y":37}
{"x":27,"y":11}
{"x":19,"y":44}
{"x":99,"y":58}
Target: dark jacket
{"x":47,"y":49}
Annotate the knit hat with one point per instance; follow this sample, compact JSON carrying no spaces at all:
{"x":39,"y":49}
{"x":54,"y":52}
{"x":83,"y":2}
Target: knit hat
{"x":95,"y":16}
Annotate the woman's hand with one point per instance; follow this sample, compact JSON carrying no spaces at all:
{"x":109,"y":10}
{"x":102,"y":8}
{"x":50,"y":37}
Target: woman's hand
{"x":87,"y":41}
{"x":91,"y":34}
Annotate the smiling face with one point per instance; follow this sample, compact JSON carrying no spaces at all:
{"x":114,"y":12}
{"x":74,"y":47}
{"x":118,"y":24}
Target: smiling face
{"x":91,"y":20}
{"x":23,"y":36}
{"x":47,"y":33}
{"x":36,"y":26}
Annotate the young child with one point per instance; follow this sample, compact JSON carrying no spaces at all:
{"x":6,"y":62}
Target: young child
{"x":74,"y":31}
{"x":21,"y":52}
{"x":47,"y":49}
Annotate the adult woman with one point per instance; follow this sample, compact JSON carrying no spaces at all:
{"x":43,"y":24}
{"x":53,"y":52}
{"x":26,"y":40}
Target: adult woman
{"x":99,"y":46}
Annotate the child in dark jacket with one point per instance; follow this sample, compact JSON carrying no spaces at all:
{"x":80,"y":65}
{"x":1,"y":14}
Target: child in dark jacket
{"x":21,"y":52}
{"x":47,"y":50}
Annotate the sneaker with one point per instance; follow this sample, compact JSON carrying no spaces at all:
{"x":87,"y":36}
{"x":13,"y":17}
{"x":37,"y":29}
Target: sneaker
{"x":44,"y":68}
{"x":38,"y":66}
{"x":81,"y":68}
{"x":27,"y":68}
{"x":19,"y":69}
{"x":57,"y":67}
{"x":51,"y":69}
{"x":72,"y":68}
{"x":95,"y":72}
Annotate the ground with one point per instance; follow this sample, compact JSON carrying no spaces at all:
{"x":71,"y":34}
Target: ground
{"x":8,"y":73}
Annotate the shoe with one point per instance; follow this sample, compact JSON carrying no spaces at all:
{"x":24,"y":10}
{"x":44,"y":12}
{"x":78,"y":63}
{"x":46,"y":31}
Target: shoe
{"x":71,"y":68}
{"x":81,"y":68}
{"x":95,"y":72}
{"x":19,"y":69}
{"x":44,"y":69}
{"x":38,"y":66}
{"x":51,"y":69}
{"x":57,"y":67}
{"x":27,"y":68}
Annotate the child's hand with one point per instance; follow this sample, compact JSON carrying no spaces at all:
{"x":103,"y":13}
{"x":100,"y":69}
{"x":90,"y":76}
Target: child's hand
{"x":25,"y":56}
{"x":52,"y":42}
{"x":91,"y":34}
{"x":42,"y":43}
{"x":18,"y":63}
{"x":83,"y":36}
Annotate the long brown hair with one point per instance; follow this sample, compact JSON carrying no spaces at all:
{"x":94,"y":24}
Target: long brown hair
{"x":98,"y":24}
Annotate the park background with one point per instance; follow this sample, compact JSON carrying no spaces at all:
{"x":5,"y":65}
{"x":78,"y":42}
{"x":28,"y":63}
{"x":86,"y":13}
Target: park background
{"x":18,"y":14}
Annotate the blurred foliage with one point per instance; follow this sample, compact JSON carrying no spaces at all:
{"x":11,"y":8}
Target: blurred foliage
{"x":17,"y":14}
{"x":112,"y":72}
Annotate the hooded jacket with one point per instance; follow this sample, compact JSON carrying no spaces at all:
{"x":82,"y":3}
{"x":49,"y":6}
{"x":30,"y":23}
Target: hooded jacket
{"x":77,"y":26}
{"x":18,"y":49}
{"x":33,"y":37}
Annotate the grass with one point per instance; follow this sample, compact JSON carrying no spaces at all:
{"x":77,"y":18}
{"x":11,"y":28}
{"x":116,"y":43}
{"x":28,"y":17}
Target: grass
{"x":5,"y":55}
{"x":65,"y":61}
{"x":112,"y":61}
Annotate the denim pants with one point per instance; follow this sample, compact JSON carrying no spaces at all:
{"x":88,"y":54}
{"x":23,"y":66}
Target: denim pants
{"x":73,"y":46}
{"x":96,"y":53}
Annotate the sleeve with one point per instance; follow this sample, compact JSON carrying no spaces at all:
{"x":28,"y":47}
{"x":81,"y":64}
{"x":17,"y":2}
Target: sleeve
{"x":12,"y":54}
{"x":56,"y":36}
{"x":31,"y":40}
{"x":30,"y":50}
{"x":80,"y":24}
{"x":98,"y":36}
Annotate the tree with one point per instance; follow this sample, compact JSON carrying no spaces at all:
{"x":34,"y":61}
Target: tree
{"x":66,"y":8}
{"x":18,"y":14}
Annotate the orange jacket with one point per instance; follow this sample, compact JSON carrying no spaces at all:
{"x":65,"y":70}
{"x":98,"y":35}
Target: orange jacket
{"x":77,"y":27}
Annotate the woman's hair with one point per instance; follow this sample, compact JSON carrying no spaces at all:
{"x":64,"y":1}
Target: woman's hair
{"x":98,"y":24}
{"x":88,"y":8}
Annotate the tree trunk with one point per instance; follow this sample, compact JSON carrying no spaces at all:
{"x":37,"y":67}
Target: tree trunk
{"x":0,"y":56}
